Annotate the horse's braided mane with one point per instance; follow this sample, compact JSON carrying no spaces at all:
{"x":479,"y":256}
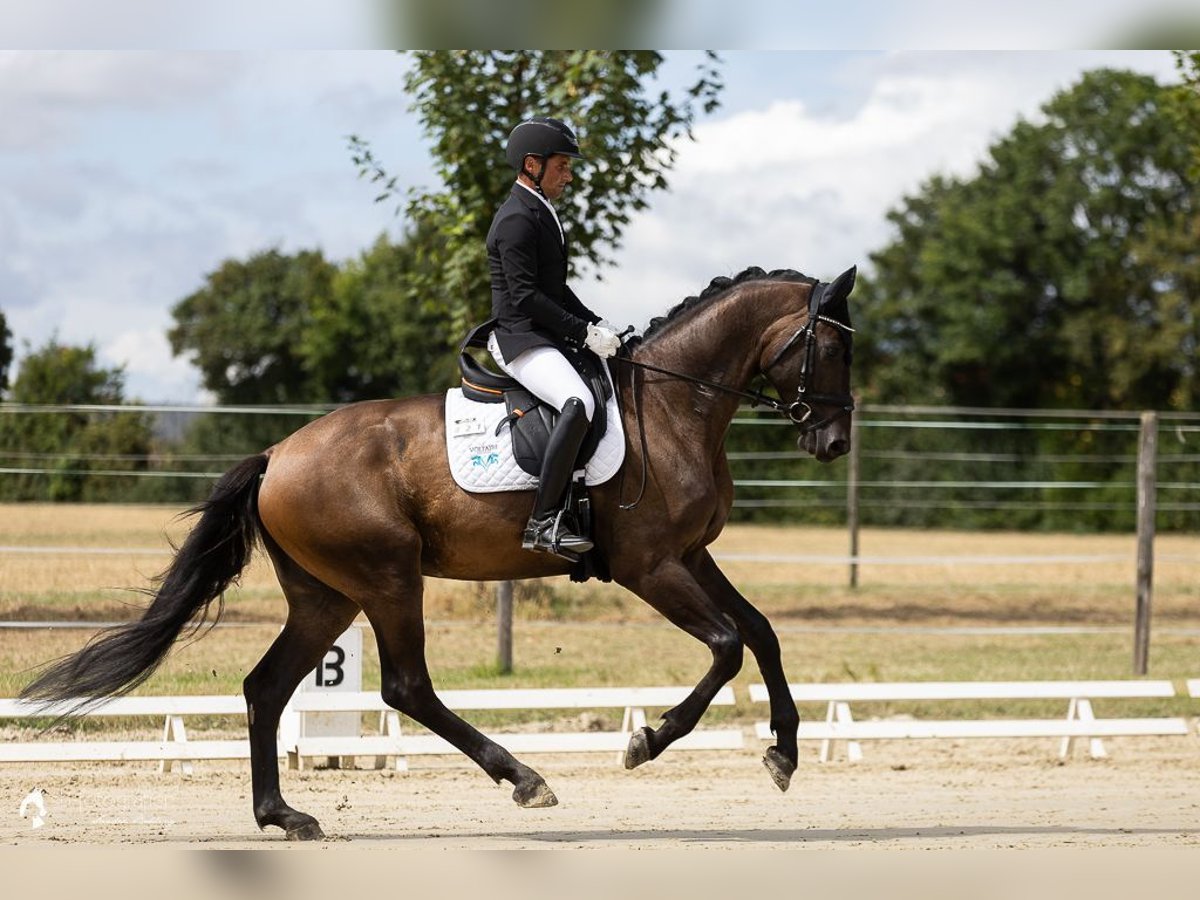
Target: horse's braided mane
{"x":719,"y":287}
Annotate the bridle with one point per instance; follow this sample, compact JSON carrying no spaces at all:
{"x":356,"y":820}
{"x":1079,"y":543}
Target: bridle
{"x":800,"y":410}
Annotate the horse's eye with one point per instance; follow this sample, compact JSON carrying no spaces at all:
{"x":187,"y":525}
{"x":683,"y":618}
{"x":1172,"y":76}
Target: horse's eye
{"x":830,"y":351}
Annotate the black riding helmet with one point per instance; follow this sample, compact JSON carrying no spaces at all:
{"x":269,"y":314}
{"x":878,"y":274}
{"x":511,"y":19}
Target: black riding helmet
{"x":540,"y":136}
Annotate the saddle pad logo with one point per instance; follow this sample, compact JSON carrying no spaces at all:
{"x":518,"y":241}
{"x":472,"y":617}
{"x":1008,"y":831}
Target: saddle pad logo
{"x":485,"y":455}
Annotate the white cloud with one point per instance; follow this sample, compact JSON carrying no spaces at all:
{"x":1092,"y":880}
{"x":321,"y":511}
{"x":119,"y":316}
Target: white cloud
{"x":133,"y":175}
{"x":185,"y":25}
{"x":783,"y":187}
{"x":47,"y":99}
{"x":152,"y":374}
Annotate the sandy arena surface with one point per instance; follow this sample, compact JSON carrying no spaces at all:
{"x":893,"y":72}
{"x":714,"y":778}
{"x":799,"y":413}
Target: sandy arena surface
{"x":932,"y":795}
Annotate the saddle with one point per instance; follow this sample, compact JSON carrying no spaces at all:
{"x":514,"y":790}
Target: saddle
{"x":529,"y":420}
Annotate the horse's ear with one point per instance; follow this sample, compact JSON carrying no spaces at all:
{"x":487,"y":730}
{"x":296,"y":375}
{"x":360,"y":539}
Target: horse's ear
{"x":842,"y":285}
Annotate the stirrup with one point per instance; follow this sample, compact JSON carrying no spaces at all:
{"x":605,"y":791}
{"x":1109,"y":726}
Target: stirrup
{"x":550,"y":534}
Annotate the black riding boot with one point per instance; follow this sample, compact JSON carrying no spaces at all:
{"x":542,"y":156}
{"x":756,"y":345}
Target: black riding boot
{"x":547,"y":529}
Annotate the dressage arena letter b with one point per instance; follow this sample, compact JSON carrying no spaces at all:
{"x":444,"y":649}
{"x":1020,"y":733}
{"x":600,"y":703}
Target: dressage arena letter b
{"x":331,"y":671}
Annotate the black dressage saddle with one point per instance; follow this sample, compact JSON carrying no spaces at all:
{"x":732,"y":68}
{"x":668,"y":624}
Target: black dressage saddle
{"x":529,"y":420}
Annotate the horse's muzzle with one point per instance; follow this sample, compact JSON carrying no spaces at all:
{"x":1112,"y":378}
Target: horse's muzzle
{"x":826,"y":445}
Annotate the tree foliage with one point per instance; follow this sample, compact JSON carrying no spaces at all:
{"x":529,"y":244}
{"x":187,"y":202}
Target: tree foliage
{"x":72,"y":445}
{"x":1187,"y":101}
{"x":469,"y":101}
{"x":244,"y":329}
{"x":1060,"y":275}
{"x":6,"y":352}
{"x":297,"y":329}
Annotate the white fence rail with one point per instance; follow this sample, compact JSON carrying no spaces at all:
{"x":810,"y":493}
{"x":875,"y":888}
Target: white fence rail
{"x":390,"y":743}
{"x":1079,"y":722}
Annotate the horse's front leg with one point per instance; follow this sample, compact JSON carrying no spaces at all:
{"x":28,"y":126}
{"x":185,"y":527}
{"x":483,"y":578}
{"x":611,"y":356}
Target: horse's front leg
{"x":760,"y":637}
{"x":672,"y":590}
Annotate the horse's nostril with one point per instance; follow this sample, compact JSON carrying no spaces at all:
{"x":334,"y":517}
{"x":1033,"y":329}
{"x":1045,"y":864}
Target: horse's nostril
{"x":839,"y":447}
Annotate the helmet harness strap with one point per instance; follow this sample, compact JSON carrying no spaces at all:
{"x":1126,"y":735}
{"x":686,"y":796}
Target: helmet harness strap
{"x":536,"y":179}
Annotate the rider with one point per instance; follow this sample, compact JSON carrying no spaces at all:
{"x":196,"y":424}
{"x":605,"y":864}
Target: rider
{"x":538,"y":315}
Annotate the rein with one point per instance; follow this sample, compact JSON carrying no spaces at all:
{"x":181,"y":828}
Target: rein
{"x":755,"y":397}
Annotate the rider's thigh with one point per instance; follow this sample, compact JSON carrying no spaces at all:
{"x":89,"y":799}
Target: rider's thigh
{"x":546,"y":374}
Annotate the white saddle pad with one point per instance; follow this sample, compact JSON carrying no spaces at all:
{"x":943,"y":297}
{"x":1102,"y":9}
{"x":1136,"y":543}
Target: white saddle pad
{"x":482,"y":461}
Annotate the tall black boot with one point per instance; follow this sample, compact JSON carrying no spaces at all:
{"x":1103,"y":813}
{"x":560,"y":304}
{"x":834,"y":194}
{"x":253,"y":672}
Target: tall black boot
{"x":547,"y":529}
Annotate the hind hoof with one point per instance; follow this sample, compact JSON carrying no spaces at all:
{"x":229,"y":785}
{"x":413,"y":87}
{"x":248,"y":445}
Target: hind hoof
{"x":780,"y":767}
{"x":538,"y":797}
{"x":310,"y":831}
{"x":638,"y":751}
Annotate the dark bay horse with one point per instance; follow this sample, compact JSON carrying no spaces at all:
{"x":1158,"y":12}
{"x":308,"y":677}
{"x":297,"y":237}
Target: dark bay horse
{"x":357,"y":507}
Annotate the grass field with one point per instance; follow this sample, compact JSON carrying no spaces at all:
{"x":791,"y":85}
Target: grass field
{"x":599,"y":634}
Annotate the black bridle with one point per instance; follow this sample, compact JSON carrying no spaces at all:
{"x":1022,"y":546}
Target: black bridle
{"x":800,"y":410}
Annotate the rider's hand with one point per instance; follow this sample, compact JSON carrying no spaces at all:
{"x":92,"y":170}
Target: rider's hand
{"x":602,"y":341}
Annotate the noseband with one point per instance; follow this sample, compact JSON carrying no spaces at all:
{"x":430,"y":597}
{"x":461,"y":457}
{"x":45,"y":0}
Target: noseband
{"x":800,"y":410}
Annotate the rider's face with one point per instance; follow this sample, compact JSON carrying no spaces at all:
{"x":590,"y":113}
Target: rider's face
{"x":557,"y":176}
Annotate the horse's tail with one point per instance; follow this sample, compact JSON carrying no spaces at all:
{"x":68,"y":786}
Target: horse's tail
{"x":120,"y":658}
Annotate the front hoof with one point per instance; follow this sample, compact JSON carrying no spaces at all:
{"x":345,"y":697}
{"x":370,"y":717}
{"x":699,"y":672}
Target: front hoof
{"x":309,"y":831}
{"x":537,"y":796}
{"x":638,"y":751}
{"x":780,"y":767}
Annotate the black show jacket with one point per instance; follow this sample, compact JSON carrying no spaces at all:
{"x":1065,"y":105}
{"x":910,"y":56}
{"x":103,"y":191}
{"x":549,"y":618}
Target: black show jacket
{"x":527,"y":260}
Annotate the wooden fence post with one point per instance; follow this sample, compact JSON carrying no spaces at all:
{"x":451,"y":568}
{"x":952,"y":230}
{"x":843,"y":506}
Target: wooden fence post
{"x":504,"y":620}
{"x":852,"y":500}
{"x":1146,"y":508}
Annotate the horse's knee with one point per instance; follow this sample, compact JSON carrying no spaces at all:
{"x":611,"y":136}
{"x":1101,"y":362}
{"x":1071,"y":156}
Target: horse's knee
{"x":406,"y":694}
{"x":728,"y":651}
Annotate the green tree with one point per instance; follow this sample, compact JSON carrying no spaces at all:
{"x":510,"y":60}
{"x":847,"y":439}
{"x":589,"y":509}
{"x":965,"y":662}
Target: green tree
{"x":244,"y":328}
{"x":1035,"y":282}
{"x":374,"y":337}
{"x":72,"y":444}
{"x":468,"y":102}
{"x":1187,"y":101}
{"x":6,"y":353}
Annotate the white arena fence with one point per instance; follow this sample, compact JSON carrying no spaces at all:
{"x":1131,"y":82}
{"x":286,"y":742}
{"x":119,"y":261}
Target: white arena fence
{"x":390,"y":743}
{"x":393,"y":743}
{"x":1079,"y":721}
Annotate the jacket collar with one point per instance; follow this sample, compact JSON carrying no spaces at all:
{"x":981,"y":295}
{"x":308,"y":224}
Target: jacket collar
{"x":532,"y":201}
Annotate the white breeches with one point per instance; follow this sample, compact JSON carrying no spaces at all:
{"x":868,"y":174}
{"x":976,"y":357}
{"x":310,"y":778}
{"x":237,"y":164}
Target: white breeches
{"x":546,"y":374}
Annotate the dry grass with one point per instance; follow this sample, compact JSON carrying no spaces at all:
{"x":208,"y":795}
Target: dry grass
{"x":598,"y":634}
{"x":71,"y":585}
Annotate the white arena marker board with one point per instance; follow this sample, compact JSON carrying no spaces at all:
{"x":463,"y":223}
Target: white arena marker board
{"x":340,"y":671}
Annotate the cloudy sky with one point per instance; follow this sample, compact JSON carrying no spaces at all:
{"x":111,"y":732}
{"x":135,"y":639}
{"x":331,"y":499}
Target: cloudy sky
{"x":126,"y":176}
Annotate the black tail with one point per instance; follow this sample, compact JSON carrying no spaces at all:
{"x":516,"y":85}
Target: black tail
{"x":118,"y":659}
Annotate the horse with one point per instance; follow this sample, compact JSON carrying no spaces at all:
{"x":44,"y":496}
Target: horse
{"x":355,"y":508}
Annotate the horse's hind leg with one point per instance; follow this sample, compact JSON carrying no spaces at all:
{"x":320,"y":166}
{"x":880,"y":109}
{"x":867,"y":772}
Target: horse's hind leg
{"x":397,"y":618}
{"x":672,"y":590}
{"x":317,"y":614}
{"x":756,"y":631}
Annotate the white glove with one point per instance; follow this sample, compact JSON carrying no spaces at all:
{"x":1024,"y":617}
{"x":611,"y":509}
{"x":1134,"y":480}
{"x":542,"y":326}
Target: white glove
{"x":601,"y":341}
